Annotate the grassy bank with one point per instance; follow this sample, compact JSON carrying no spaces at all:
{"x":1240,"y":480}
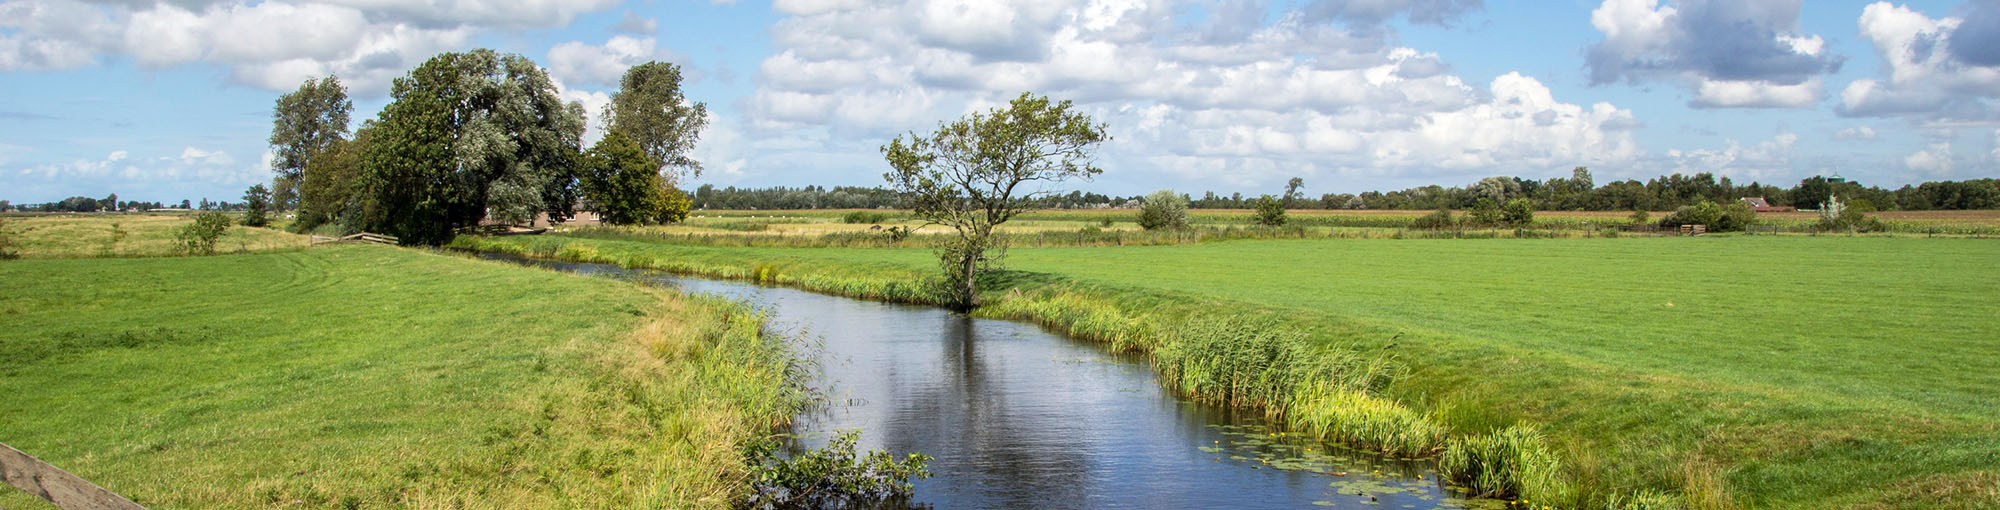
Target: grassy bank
{"x":1781,"y":372}
{"x":126,"y":235}
{"x":373,"y":376}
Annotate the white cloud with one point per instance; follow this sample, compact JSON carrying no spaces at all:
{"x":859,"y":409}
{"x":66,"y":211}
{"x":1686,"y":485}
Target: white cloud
{"x":1730,"y":53}
{"x":1857,"y":133}
{"x":1933,"y":161}
{"x":1251,"y":102}
{"x":119,"y":168}
{"x":273,"y":45}
{"x":1765,"y":161}
{"x":586,"y":64}
{"x":1925,"y":80}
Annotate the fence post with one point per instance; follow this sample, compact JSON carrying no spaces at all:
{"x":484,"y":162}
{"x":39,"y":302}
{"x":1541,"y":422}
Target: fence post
{"x":56,"y":486}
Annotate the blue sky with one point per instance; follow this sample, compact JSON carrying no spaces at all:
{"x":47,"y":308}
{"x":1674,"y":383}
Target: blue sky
{"x":171,"y":100}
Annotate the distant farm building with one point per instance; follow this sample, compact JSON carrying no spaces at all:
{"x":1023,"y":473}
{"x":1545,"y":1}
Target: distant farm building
{"x":1761,"y":205}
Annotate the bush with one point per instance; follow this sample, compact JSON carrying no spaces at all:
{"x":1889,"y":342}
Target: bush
{"x":1485,"y":212}
{"x":1735,"y":217}
{"x":199,"y":237}
{"x":1163,"y":209}
{"x":1519,"y":212}
{"x":256,"y":206}
{"x":1436,"y":220}
{"x":1270,"y":212}
{"x":864,"y":217}
{"x":833,"y":477}
{"x":1640,"y":216}
{"x":674,"y":205}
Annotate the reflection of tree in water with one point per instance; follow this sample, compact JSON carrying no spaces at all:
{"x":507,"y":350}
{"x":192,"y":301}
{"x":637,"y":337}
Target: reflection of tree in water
{"x":1000,"y":451}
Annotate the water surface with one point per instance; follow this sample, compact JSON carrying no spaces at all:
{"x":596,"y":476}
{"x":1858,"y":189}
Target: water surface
{"x":1017,"y":417}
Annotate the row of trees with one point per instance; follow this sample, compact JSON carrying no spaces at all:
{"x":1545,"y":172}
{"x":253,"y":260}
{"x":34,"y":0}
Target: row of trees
{"x":480,"y":135}
{"x":112,"y":203}
{"x":1577,"y":192}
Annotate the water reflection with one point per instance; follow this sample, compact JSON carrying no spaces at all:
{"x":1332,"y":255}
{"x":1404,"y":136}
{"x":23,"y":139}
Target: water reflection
{"x":1019,"y":418}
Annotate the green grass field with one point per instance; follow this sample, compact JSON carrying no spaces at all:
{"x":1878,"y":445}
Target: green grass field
{"x":1729,"y":371}
{"x":373,"y":376}
{"x":126,"y":235}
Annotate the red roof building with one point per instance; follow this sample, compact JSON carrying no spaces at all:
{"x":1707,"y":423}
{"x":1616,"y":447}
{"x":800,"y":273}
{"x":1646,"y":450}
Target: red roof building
{"x":1761,"y":205}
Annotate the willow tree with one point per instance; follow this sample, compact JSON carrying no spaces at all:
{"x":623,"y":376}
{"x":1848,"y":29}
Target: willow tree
{"x":976,"y":173}
{"x":650,"y":109}
{"x":469,"y":135}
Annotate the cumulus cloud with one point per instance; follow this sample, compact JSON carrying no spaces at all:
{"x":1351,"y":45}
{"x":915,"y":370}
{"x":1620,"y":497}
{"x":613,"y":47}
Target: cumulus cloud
{"x":1933,"y":161}
{"x":273,"y":44}
{"x":191,"y":165}
{"x":1766,"y":160}
{"x":1856,"y":133}
{"x":1932,"y":74}
{"x":1731,"y":53}
{"x":586,"y":64}
{"x":1239,"y":95}
{"x":635,"y":24}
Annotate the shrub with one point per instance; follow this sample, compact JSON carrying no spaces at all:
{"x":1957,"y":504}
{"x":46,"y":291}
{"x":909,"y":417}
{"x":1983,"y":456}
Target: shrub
{"x":256,"y":205}
{"x":1270,"y":211}
{"x":674,"y":205}
{"x":1163,"y":209}
{"x":863,"y":217}
{"x":1640,"y":216}
{"x":1736,"y":217}
{"x":199,"y":237}
{"x":1485,"y":212}
{"x":833,"y":477}
{"x":1518,"y":212}
{"x":1106,"y":222}
{"x":1436,"y":220}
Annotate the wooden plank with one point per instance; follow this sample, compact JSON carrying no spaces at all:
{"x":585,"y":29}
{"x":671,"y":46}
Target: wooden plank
{"x":55,"y":485}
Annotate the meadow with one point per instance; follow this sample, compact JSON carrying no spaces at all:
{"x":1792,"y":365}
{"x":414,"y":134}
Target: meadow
{"x":1723,"y":371}
{"x":368,"y":376}
{"x":126,"y":235}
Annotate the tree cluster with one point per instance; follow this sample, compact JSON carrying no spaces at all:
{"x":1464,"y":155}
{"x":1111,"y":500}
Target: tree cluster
{"x":483,"y":136}
{"x":1670,"y":192}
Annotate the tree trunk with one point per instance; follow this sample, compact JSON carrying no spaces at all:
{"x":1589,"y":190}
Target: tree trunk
{"x":968,"y":291}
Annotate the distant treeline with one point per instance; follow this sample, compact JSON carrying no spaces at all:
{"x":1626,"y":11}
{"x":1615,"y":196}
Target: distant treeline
{"x":112,"y":203}
{"x":1578,"y":192}
{"x":855,"y":197}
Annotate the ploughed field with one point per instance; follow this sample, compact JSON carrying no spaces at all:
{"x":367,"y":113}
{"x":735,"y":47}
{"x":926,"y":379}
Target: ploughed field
{"x":1765,"y":371}
{"x":368,"y":376}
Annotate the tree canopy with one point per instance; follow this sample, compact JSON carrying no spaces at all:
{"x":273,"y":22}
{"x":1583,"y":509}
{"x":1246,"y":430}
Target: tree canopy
{"x":466,"y":133}
{"x":969,"y":174}
{"x":304,"y":124}
{"x":650,"y":110}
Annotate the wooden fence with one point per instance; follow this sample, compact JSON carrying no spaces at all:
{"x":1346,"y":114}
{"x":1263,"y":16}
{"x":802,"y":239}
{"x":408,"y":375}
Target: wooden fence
{"x":56,"y":486}
{"x":365,"y":237}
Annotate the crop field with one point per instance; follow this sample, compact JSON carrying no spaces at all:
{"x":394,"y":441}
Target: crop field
{"x":126,"y":235}
{"x":367,"y":376}
{"x":1739,"y":371}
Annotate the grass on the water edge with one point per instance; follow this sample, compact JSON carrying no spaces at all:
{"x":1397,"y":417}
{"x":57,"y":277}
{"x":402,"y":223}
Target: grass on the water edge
{"x":1719,"y":372}
{"x":372,"y":376}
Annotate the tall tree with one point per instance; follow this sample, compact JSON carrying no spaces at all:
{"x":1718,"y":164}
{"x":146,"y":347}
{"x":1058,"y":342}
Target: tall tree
{"x":465,"y":133}
{"x":650,"y":109}
{"x":623,"y":182}
{"x":304,"y":124}
{"x":968,"y":174}
{"x":1292,"y":190}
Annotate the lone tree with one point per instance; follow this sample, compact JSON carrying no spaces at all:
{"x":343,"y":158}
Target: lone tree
{"x":304,"y":124}
{"x":256,"y":205}
{"x":650,"y":110}
{"x":624,"y":182}
{"x":968,"y":175}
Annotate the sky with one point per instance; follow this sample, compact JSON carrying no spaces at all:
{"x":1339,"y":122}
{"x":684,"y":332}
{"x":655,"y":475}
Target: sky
{"x":172,"y":99}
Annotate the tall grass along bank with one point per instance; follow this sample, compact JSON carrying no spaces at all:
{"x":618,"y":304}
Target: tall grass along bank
{"x":365,"y":376}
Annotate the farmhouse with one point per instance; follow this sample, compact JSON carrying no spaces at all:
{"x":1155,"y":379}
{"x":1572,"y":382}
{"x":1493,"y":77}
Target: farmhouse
{"x":1760,"y":205}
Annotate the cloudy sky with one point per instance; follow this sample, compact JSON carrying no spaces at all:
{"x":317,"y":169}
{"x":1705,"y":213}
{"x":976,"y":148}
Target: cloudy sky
{"x":169,"y":100}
